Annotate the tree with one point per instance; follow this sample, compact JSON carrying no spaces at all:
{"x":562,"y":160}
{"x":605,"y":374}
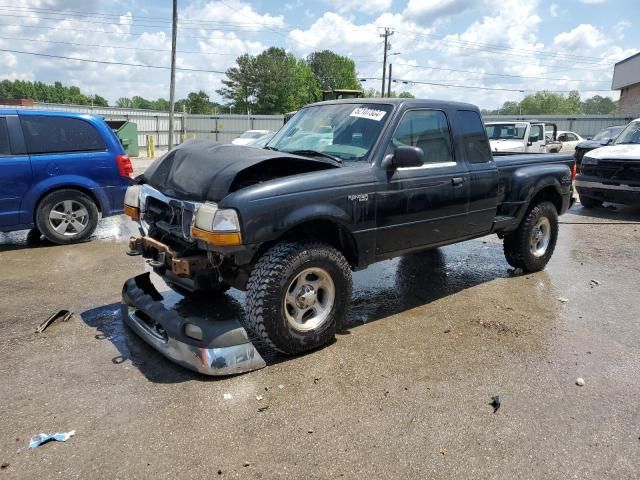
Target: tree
{"x":272,"y":82}
{"x":599,"y":104}
{"x":333,"y":71}
{"x":198,"y":103}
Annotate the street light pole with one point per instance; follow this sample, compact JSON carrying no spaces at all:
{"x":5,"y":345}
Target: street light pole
{"x":389,"y":85}
{"x":172,"y":86}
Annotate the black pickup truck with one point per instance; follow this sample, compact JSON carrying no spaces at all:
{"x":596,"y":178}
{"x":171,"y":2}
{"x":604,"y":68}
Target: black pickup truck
{"x":342,"y":185}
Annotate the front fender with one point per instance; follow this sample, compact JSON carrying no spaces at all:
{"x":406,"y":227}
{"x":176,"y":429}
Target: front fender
{"x":49,"y":184}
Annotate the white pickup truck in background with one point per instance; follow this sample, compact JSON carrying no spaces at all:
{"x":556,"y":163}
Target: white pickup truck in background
{"x":524,"y":137}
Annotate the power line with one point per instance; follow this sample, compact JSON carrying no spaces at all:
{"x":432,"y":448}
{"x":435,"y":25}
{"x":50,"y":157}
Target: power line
{"x":478,"y":87}
{"x":489,"y":74}
{"x":105,"y":62}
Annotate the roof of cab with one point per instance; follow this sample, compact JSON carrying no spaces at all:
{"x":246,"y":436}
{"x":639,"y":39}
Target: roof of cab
{"x":413,"y":102}
{"x":45,"y":113}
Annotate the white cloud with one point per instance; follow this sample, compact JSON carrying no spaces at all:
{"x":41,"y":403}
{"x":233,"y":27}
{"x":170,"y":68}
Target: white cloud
{"x":584,"y":37}
{"x":619,"y":29}
{"x":432,"y":10}
{"x":553,"y":9}
{"x":367,"y":6}
{"x":232,"y":11}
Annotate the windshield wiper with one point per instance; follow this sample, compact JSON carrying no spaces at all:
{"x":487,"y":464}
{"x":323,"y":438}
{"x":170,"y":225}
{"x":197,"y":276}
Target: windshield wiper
{"x":268,"y":147}
{"x":315,"y":153}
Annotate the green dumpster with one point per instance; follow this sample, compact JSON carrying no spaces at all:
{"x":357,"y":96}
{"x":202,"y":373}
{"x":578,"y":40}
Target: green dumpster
{"x":127,"y":132}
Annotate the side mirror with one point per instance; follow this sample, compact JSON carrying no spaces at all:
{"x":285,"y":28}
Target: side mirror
{"x":605,"y":141}
{"x":533,"y":138}
{"x":589,"y":138}
{"x":404,"y":157}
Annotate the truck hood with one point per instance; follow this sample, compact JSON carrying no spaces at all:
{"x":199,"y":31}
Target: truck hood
{"x":629,"y":151}
{"x":506,"y":146}
{"x":202,"y":170}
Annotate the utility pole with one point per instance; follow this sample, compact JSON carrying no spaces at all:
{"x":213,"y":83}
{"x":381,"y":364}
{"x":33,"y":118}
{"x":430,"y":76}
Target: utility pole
{"x":172,"y":87}
{"x":389,"y":85}
{"x":387,"y":33}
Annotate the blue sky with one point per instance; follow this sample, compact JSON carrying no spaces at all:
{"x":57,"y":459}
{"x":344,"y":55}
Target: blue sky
{"x":481,"y":51}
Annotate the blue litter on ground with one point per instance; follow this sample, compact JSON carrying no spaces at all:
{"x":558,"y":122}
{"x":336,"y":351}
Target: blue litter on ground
{"x":41,"y":438}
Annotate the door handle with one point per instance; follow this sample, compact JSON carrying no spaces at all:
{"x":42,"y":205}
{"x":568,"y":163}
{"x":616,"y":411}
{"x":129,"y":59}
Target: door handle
{"x":457,"y":181}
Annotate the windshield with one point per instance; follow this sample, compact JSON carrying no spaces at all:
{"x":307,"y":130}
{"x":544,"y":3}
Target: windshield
{"x":506,"y":131}
{"x":631,"y":134}
{"x":347,"y":131}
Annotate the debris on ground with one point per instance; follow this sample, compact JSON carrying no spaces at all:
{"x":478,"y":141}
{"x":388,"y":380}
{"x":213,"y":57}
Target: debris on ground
{"x":63,"y":315}
{"x":43,"y":438}
{"x":448,"y":330}
{"x":563,"y":299}
{"x":580,"y":382}
{"x":316,"y":380}
{"x":444,"y":451}
{"x":259,"y":397}
{"x":593,"y":283}
{"x":309,"y":431}
{"x":280,"y":386}
{"x":495,"y":403}
{"x":262,"y":409}
{"x":246,"y":464}
{"x":227,"y":396}
{"x":4,"y":465}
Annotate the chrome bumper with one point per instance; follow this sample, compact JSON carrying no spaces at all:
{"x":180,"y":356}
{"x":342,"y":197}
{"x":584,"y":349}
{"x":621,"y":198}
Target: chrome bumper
{"x":225,"y":348}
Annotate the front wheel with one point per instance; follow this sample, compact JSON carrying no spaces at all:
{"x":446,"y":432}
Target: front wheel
{"x":296,"y":295}
{"x":66,"y":216}
{"x":530,"y":247}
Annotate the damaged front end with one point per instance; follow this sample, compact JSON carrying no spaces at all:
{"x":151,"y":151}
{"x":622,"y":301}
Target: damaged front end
{"x":210,"y":347}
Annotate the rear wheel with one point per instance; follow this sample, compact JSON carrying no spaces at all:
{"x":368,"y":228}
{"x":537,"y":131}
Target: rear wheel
{"x":588,"y":202}
{"x":67,"y":216}
{"x":531,"y":246}
{"x":296,"y":295}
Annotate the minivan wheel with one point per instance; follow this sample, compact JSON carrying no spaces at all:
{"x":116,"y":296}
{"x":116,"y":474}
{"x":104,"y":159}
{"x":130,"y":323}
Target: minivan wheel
{"x":297,"y":293}
{"x":66,"y":216}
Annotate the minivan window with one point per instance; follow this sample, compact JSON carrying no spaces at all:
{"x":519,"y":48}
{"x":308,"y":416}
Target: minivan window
{"x":474,"y":137}
{"x":5,"y":147}
{"x":60,"y":134}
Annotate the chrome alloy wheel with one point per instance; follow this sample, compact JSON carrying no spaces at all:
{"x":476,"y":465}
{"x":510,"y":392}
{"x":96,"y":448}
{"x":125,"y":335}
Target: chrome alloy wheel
{"x":309,"y":299}
{"x":540,"y":237}
{"x":68,"y":218}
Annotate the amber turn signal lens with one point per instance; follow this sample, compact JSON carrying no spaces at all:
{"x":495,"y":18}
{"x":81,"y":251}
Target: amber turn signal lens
{"x":132,"y":212}
{"x":218,"y":239}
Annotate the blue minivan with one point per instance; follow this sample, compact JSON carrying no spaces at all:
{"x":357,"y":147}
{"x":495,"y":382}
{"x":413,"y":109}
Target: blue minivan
{"x":59,"y":172}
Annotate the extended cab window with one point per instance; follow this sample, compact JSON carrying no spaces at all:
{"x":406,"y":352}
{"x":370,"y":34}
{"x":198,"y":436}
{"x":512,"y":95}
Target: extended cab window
{"x":474,"y":137}
{"x":60,"y":134}
{"x":5,"y":147}
{"x":428,"y":130}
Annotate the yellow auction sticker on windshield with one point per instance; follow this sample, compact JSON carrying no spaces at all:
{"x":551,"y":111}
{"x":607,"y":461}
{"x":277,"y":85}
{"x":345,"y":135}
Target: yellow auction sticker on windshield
{"x":369,"y":113}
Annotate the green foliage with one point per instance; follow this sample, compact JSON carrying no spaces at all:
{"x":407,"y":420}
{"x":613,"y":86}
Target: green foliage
{"x":41,"y":92}
{"x":276,"y":82}
{"x":549,"y":103}
{"x":373,"y":93}
{"x":333,"y":71}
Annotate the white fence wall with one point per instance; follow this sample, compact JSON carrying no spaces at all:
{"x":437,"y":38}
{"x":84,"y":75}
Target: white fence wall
{"x":584,"y":125}
{"x":221,"y":128}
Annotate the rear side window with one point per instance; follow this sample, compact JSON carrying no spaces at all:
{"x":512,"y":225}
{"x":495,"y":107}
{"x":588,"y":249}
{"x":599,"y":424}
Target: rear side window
{"x":474,"y":137}
{"x":60,"y":134}
{"x":5,"y":147}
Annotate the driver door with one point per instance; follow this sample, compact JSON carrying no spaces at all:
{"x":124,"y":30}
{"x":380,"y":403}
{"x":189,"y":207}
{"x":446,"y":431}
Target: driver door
{"x":537,"y":142}
{"x":426,"y":205}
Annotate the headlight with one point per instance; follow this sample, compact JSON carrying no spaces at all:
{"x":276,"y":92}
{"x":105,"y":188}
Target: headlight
{"x":215,"y":226}
{"x":589,"y":161}
{"x":132,"y":201}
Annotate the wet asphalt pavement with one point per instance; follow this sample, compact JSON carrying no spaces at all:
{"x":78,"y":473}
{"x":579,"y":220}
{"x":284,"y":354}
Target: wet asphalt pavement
{"x":405,"y":394}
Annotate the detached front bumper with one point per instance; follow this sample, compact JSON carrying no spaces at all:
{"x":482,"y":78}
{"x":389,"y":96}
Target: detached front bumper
{"x":225,"y":348}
